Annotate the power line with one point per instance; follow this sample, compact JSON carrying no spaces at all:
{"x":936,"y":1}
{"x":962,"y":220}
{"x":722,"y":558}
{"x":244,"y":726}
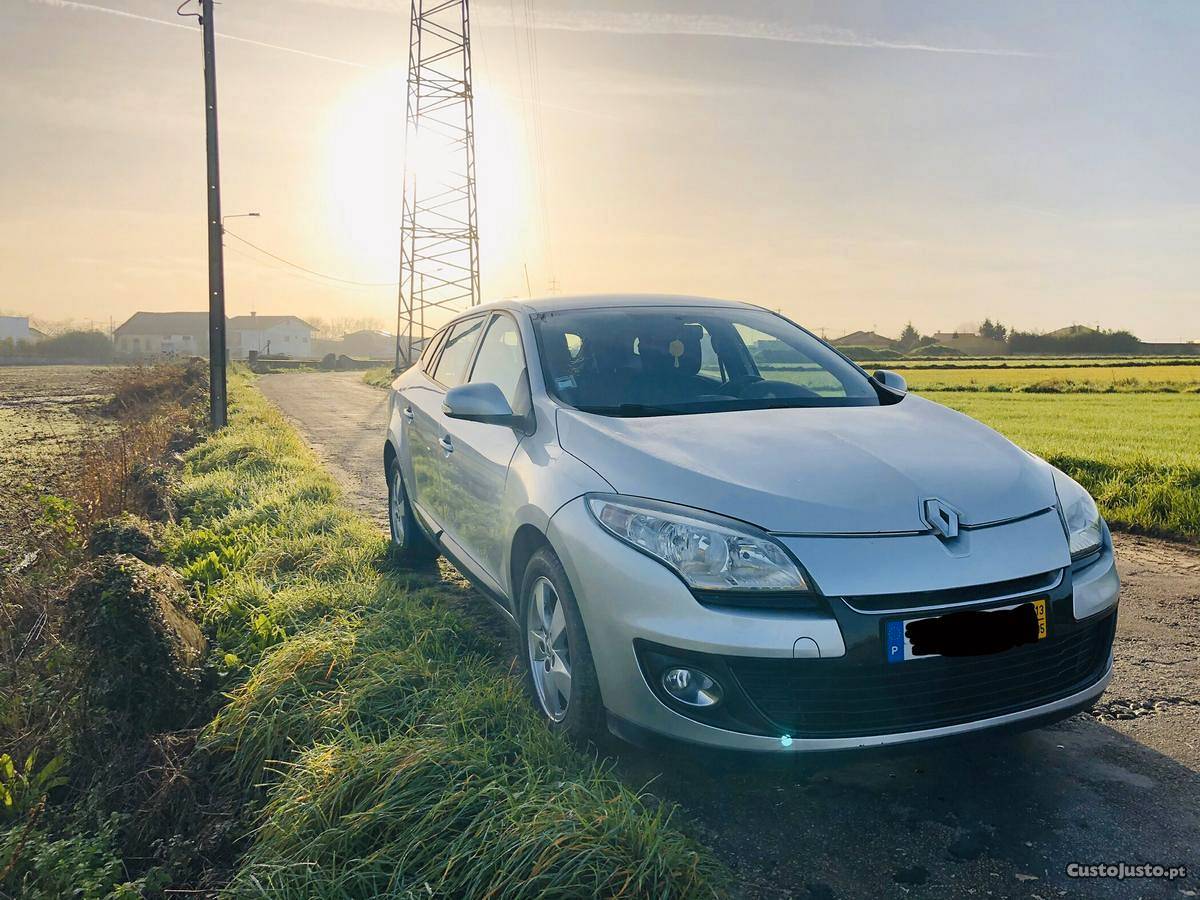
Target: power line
{"x":288,"y":262}
{"x":531,"y":117}
{"x":535,"y":80}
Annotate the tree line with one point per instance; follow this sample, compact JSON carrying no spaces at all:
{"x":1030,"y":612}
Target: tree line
{"x":1081,"y":340}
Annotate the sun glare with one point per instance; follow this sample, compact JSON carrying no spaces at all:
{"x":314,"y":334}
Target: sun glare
{"x":365,"y":166}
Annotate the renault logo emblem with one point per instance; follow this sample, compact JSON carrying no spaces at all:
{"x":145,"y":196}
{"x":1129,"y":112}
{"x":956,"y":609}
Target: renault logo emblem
{"x":941,"y":517}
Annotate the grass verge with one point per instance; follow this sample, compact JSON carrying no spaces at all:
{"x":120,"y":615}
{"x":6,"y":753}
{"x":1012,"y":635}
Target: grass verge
{"x":383,"y":742}
{"x":380,"y":376}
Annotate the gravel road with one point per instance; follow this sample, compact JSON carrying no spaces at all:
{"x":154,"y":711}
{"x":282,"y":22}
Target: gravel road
{"x":995,"y":817}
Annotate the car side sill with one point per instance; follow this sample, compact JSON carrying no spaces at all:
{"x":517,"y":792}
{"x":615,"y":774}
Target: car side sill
{"x":466,"y":570}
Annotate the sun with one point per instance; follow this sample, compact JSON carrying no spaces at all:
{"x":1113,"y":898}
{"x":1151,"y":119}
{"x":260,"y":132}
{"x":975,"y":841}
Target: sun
{"x":365,"y":162}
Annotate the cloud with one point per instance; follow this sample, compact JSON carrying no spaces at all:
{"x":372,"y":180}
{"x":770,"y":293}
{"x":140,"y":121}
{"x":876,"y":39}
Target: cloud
{"x":95,"y":8}
{"x":688,"y":25}
{"x":721,"y":26}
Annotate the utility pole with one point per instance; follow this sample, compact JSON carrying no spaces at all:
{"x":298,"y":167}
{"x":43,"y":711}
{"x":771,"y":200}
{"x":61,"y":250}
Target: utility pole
{"x":218,"y":408}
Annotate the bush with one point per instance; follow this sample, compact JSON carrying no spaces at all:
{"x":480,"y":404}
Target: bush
{"x":935,"y":350}
{"x":89,"y":345}
{"x":127,"y":534}
{"x":870,"y":354}
{"x":38,"y":866}
{"x":1082,"y":341}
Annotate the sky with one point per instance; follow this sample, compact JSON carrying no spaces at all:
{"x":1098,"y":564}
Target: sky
{"x":852,"y":164}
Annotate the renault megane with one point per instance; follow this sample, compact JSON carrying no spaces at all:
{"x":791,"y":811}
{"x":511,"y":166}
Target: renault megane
{"x":708,"y":524}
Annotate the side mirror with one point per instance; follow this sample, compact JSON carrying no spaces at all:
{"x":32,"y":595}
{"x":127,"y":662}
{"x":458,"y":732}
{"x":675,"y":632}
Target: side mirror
{"x":892,"y":380}
{"x":479,"y":402}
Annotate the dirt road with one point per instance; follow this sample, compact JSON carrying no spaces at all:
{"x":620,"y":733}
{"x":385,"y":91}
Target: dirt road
{"x":1000,"y":817}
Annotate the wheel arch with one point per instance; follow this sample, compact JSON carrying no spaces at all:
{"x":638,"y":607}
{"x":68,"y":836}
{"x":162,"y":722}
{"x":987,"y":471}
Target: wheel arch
{"x":389,"y":457}
{"x":527,"y":540}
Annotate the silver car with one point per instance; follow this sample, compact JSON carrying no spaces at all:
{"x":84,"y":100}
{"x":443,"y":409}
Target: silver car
{"x":709,"y":525}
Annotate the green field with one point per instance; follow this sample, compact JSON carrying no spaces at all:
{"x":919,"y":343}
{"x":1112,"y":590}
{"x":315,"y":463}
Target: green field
{"x":1139,"y":454}
{"x":1028,"y":362}
{"x":1065,"y":379}
{"x":1045,"y":377}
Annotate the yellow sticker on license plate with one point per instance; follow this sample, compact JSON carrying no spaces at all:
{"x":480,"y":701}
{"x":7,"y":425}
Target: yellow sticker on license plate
{"x":1039,"y":607}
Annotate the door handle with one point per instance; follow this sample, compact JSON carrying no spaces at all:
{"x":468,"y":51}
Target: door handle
{"x":408,"y":413}
{"x":447,"y":444}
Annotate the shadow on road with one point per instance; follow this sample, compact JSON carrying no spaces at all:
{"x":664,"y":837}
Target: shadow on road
{"x":1000,"y":816}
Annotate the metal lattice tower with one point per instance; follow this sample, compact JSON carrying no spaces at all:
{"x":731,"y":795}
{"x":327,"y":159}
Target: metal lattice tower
{"x":439,"y":255}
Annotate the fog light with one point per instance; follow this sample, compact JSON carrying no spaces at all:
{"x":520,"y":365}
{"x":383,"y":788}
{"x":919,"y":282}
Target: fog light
{"x":691,"y":686}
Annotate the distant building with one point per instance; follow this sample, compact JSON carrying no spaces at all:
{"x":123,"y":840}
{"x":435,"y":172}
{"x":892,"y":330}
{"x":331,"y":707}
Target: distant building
{"x":17,"y":330}
{"x":970,"y":343}
{"x":276,"y":335}
{"x":366,"y":344}
{"x":1071,"y":331}
{"x":324,"y":346}
{"x":369,"y":344}
{"x":865,"y":339}
{"x":163,"y":334}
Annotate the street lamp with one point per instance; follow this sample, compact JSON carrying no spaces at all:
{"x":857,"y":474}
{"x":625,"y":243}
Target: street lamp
{"x":249,"y":215}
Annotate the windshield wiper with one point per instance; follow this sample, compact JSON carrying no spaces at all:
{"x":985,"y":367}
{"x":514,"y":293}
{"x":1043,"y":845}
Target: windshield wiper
{"x":630,"y":410}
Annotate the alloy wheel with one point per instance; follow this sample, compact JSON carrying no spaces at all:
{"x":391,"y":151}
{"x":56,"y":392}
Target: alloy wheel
{"x":549,"y":649}
{"x":396,"y":509}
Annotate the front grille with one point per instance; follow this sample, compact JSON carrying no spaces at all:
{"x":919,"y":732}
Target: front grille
{"x":829,"y":698}
{"x":873,"y":603}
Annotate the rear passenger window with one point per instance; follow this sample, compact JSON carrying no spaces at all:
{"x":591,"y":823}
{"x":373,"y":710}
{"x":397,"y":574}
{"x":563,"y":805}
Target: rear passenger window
{"x":429,"y":351}
{"x":460,"y":342}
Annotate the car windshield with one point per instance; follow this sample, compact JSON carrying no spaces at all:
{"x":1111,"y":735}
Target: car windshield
{"x":653,"y":361}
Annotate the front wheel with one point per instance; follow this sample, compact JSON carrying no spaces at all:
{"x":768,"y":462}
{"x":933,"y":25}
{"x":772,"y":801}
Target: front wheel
{"x":557,"y":658}
{"x":409,"y":543}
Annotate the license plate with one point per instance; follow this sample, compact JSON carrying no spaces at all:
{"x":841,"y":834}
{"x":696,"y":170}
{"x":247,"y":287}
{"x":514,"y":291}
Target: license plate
{"x":973,"y":632}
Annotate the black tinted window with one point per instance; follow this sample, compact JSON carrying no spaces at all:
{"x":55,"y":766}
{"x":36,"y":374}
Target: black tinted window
{"x":452,"y":364}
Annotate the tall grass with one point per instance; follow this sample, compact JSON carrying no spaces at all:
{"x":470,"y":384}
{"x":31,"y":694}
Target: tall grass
{"x":390,"y":751}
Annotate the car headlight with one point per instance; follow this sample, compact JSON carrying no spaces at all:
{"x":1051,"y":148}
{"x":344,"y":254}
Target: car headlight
{"x":1084,"y":530}
{"x":709,"y":552}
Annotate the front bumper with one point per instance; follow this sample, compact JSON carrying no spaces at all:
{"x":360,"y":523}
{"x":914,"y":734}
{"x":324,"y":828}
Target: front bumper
{"x":628,"y":599}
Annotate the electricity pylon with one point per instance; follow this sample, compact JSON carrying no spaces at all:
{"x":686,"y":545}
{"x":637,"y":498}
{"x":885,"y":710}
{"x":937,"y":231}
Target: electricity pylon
{"x":439,"y":254}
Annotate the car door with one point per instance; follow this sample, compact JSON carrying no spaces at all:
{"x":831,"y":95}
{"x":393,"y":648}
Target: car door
{"x":432,"y":491}
{"x":480,"y":454}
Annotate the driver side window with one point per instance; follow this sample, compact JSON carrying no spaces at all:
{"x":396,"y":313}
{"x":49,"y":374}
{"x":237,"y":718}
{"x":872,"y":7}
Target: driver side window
{"x":502,"y":362}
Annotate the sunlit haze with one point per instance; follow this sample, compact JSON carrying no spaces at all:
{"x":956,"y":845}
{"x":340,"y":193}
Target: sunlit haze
{"x":855,"y":165}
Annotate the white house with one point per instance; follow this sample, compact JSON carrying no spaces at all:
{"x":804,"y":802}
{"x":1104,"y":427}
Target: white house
{"x":163,"y":334}
{"x":17,"y":330}
{"x":286,"y":335}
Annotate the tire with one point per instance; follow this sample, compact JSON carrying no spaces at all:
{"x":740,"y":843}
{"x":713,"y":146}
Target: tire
{"x":409,"y":543}
{"x":549,"y":644}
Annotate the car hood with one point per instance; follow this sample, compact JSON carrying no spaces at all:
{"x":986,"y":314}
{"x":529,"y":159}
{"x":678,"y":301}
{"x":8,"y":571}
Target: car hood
{"x":850,"y":470}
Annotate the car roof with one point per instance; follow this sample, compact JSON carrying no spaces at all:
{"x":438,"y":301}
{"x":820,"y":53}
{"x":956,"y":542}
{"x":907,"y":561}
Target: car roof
{"x":604,"y":301}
